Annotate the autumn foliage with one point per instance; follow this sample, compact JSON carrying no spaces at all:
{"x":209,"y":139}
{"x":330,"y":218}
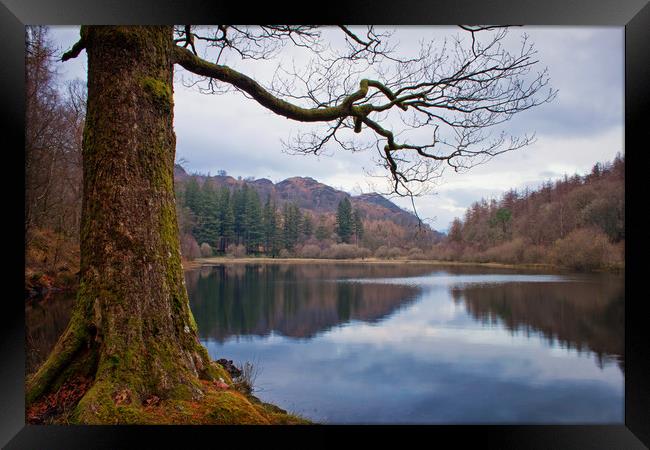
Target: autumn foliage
{"x":576,"y":222}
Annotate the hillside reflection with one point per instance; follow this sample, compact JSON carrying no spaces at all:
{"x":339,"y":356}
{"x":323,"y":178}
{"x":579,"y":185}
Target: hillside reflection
{"x":291,"y":300}
{"x":580,"y":316}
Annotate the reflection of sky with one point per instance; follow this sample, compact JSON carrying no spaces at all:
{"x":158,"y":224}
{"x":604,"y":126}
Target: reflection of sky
{"x":432,"y":363}
{"x":444,"y":279}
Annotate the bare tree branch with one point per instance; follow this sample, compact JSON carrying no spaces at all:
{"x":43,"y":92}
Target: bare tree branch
{"x":460,"y":91}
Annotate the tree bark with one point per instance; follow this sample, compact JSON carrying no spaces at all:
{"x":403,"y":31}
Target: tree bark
{"x":132,"y":334}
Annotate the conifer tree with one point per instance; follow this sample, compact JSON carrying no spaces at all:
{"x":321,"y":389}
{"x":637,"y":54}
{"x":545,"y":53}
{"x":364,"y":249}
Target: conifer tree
{"x":357,"y":226}
{"x":226,"y":218}
{"x":270,"y":225}
{"x":344,"y":220}
{"x":208,"y":214}
{"x":253,"y":221}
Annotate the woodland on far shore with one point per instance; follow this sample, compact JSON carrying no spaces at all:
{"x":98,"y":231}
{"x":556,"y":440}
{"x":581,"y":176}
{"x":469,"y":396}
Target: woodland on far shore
{"x":577,"y":222}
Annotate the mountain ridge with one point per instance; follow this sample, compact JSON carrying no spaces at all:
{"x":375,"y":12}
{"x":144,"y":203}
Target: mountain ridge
{"x":313,"y":195}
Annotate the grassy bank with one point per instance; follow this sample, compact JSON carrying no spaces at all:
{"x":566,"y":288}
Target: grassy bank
{"x":200,"y":262}
{"x":265,"y":260}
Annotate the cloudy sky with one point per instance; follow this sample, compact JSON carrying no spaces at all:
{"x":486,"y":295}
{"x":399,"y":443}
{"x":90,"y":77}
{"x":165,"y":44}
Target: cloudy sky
{"x":583,"y":125}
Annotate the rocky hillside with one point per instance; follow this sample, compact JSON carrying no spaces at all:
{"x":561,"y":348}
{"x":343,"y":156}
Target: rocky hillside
{"x":310,"y":194}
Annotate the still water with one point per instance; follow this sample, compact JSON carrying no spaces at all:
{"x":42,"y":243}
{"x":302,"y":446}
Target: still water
{"x":360,"y":343}
{"x":406,"y":343}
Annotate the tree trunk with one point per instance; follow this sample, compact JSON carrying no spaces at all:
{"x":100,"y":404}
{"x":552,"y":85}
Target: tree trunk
{"x":132,"y":334}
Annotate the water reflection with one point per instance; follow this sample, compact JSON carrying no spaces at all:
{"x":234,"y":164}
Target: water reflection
{"x":294,"y":301}
{"x":586,"y":316}
{"x":401,"y":343}
{"x":45,"y":321}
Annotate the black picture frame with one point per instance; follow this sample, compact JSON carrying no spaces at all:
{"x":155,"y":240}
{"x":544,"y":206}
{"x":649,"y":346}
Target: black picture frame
{"x":634,"y":15}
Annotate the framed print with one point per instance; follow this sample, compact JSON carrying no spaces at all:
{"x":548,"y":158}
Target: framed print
{"x":414,"y":227}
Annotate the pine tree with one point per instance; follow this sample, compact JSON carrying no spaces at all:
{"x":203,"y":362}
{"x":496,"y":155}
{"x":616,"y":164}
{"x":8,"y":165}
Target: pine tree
{"x":254,"y":229}
{"x":226,"y":218}
{"x":192,"y":194}
{"x":290,"y":225}
{"x":322,"y":232}
{"x":357,"y":226}
{"x":344,"y":220}
{"x":208,"y":213}
{"x":270,"y":225}
{"x":239,"y":213}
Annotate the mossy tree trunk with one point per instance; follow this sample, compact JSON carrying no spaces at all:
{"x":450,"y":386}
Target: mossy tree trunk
{"x":132,"y":333}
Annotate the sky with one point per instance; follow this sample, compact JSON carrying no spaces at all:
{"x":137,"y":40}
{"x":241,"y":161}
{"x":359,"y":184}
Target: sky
{"x":583,"y":125}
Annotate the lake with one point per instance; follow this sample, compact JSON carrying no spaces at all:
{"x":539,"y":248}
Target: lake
{"x":402,"y":343}
{"x":414,"y":343}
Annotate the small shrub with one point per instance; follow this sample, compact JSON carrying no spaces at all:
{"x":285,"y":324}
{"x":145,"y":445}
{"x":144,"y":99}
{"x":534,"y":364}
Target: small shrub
{"x":206,"y":250}
{"x":583,"y":249}
{"x":445,"y":251}
{"x":341,"y":251}
{"x":189,"y":248}
{"x":394,"y":253}
{"x":284,"y":253}
{"x":381,"y":252}
{"x":245,"y":382}
{"x":536,"y":254}
{"x":363,"y":253}
{"x":511,"y":252}
{"x":236,"y":251}
{"x":310,"y":251}
{"x":415,"y":253}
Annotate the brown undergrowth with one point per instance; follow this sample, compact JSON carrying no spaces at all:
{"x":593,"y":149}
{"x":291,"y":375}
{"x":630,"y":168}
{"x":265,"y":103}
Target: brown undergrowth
{"x":51,"y":262}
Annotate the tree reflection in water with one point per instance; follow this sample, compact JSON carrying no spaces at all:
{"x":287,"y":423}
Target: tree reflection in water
{"x":291,"y":300}
{"x":303,"y":300}
{"x":586,"y":316}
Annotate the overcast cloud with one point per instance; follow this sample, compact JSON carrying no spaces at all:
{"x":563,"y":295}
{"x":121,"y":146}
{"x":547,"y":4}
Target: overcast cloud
{"x":582,"y":126}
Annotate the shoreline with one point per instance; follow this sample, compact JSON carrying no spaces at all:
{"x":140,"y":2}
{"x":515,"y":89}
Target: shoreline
{"x":217,"y":260}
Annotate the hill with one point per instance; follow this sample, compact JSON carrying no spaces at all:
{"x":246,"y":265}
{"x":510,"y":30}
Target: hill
{"x":314,"y":203}
{"x":309,"y":194}
{"x":576,"y":222}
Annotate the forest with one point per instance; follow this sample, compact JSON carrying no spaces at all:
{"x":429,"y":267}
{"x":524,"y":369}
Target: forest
{"x":576,"y":222}
{"x":237,"y":223}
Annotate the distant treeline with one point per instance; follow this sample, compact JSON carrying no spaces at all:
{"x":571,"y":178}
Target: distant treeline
{"x":577,"y":221}
{"x":235,"y":221}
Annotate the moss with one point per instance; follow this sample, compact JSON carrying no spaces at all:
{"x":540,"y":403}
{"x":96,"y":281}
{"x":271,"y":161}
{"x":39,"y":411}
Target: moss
{"x":96,"y":407}
{"x":181,"y":392}
{"x":215,"y":371}
{"x":160,"y":92}
{"x":232,"y":408}
{"x":217,"y":407}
